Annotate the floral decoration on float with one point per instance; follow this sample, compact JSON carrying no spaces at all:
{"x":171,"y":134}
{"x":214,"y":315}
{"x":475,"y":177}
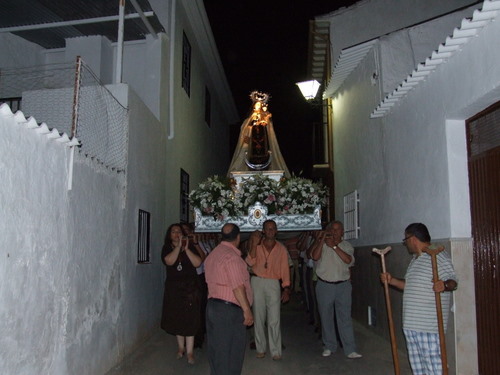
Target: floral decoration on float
{"x":295,"y":203}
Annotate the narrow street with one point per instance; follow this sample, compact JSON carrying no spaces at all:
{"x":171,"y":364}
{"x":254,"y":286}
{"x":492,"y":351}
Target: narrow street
{"x":302,"y":354}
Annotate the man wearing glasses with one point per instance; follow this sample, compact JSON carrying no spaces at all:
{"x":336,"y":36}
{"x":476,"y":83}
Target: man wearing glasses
{"x":420,"y":324}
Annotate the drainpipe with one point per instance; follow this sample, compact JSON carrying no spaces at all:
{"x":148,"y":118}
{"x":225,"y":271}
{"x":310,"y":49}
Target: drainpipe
{"x":119,"y":49}
{"x":172,"y":71}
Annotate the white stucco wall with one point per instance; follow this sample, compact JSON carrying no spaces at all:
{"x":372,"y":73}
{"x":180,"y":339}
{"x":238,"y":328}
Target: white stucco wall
{"x":18,"y":52}
{"x":142,"y":284}
{"x":468,"y":83}
{"x":142,"y":62}
{"x":198,"y":149}
{"x":34,"y":239}
{"x":361,"y":153}
{"x":96,"y":51}
{"x":411,"y":166}
{"x":96,"y":307}
{"x":73,"y":298}
{"x":60,"y":299}
{"x":401,"y":51}
{"x":345,"y":30}
{"x":142,"y":69}
{"x":423,"y":135}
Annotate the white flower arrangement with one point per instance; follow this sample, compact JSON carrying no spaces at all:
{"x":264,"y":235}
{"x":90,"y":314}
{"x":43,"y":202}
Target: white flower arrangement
{"x":220,"y":198}
{"x":300,"y":196}
{"x":215,"y":197}
{"x":259,"y":188}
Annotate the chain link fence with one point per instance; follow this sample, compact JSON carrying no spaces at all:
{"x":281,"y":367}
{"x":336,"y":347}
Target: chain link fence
{"x":71,"y":99}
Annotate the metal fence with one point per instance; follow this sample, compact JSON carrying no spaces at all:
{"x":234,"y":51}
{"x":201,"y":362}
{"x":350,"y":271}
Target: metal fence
{"x":71,"y":99}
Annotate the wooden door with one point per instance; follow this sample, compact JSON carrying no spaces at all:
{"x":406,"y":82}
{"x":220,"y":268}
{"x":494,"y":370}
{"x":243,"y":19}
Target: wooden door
{"x":483,"y":131}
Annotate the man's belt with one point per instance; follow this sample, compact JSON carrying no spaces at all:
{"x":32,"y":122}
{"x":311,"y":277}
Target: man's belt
{"x":218,"y":300}
{"x":332,"y":282}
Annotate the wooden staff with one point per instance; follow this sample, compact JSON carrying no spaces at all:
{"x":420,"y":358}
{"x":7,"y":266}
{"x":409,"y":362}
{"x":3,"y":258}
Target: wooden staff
{"x":395,"y":359}
{"x":435,"y":277}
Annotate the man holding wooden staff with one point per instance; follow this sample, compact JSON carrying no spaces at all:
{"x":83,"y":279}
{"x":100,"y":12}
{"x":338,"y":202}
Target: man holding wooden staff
{"x":420,"y":321}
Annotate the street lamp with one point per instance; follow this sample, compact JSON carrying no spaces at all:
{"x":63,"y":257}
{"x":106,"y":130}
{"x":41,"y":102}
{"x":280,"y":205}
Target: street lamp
{"x":321,"y":140}
{"x":309,"y":89}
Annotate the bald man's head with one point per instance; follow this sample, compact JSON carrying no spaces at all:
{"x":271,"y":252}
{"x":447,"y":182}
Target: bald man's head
{"x":230,"y":232}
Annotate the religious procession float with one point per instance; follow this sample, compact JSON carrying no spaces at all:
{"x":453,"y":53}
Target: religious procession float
{"x":258,"y":185}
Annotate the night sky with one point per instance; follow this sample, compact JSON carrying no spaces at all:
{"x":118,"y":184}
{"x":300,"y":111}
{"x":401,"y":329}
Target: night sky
{"x":263,"y":46}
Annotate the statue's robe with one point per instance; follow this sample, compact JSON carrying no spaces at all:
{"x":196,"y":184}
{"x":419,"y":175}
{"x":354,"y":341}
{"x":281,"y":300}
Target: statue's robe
{"x":258,"y":148}
{"x":254,"y":147}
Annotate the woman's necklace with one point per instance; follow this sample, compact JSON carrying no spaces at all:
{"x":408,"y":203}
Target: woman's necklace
{"x":179,"y":266}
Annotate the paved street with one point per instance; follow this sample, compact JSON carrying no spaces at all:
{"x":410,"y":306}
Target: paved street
{"x":302,"y":354}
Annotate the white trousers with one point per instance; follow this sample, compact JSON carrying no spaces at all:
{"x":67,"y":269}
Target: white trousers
{"x":267,"y":308}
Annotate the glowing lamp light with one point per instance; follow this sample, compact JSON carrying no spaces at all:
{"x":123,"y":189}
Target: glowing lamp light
{"x":309,"y":89}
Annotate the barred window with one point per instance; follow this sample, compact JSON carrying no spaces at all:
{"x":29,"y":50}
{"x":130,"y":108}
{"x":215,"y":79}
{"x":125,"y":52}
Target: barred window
{"x":351,"y":215}
{"x":184,"y":196}
{"x":143,"y":243}
{"x":186,"y":64}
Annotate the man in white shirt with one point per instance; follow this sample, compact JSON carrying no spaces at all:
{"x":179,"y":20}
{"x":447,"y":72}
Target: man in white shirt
{"x":334,"y":257}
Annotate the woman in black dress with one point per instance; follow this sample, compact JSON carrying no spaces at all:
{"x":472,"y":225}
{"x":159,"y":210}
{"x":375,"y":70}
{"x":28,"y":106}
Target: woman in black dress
{"x":182,"y":297}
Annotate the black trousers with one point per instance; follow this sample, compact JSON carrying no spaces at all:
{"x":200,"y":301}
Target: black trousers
{"x":226,"y":338}
{"x":199,"y":338}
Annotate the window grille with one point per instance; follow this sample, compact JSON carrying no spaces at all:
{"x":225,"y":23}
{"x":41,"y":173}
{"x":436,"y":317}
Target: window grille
{"x":351,"y":215}
{"x":184,"y":196}
{"x":484,"y":133}
{"x":186,"y":64}
{"x":143,"y":246}
{"x":13,"y":103}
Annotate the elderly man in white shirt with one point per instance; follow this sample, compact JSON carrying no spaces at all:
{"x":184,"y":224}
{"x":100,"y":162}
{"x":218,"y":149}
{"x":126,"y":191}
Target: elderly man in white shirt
{"x":334,"y":257}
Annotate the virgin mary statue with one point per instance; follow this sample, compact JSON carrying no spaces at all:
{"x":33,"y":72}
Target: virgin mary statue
{"x":257,"y":148}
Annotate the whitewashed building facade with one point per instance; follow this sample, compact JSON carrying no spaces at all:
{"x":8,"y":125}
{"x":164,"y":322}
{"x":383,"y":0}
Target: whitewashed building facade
{"x":81,"y":230}
{"x":402,"y":90}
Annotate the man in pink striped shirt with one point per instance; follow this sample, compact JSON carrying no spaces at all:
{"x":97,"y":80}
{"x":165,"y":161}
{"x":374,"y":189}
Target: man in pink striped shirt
{"x":229,"y":304}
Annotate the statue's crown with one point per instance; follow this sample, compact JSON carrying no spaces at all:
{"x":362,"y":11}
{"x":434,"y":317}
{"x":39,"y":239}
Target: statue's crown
{"x":258,"y":96}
